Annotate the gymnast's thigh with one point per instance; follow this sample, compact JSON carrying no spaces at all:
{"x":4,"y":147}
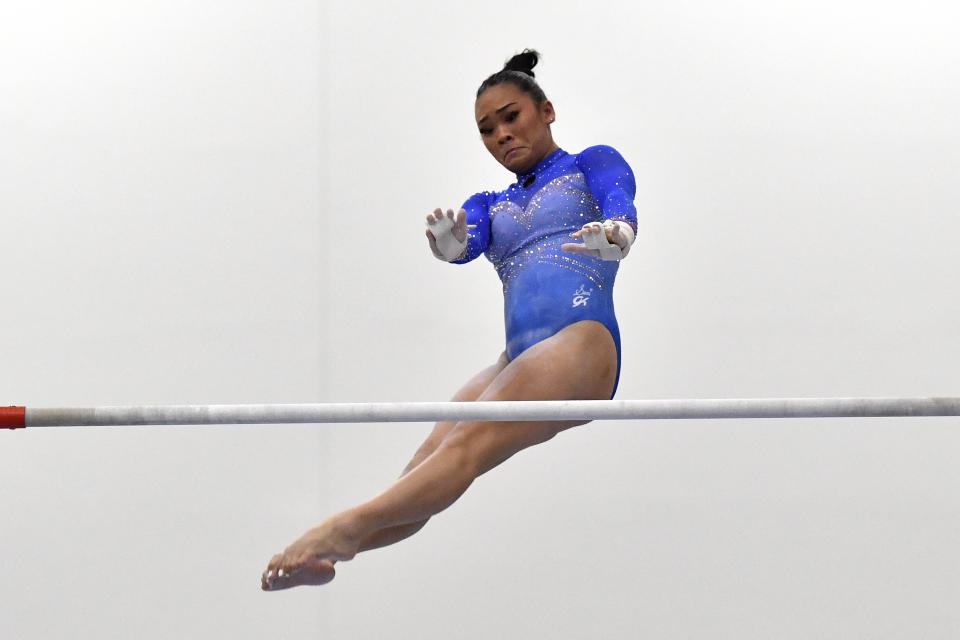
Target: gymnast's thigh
{"x":577,"y":363}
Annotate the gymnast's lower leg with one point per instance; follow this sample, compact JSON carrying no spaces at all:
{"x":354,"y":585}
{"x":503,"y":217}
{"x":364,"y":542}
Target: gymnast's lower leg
{"x":392,"y":535}
{"x":469,"y":392}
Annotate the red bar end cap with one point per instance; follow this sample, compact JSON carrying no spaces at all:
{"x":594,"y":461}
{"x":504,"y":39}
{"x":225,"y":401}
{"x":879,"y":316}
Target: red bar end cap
{"x":13,"y":417}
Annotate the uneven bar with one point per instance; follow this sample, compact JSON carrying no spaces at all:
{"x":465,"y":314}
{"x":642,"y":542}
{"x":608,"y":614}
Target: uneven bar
{"x":698,"y":409}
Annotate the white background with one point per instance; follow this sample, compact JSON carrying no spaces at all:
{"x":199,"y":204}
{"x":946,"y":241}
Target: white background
{"x":182,"y":186}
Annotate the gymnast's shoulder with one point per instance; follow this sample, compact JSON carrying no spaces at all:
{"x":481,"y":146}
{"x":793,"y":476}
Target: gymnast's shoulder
{"x":481,"y":200}
{"x":599,"y":153}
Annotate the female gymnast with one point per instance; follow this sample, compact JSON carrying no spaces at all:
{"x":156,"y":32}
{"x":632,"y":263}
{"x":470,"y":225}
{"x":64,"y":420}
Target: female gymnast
{"x":562,"y":339}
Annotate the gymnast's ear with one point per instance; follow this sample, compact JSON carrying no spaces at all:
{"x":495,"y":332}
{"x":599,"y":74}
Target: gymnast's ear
{"x":548,"y":112}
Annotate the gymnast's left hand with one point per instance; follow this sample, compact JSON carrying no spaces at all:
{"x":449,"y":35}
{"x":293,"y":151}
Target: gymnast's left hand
{"x":607,"y":241}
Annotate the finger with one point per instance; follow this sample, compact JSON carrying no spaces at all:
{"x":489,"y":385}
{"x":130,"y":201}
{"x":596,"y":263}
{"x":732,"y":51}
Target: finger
{"x":433,"y":246}
{"x":450,"y":215}
{"x":573,"y":247}
{"x":586,"y":230}
{"x":433,"y":242}
{"x":460,"y":226}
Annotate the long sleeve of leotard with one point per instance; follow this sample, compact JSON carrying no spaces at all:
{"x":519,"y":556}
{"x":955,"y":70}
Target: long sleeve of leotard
{"x":478,"y":213}
{"x":611,"y":181}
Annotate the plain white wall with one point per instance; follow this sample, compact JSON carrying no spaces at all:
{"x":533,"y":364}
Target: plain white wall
{"x":160,"y":199}
{"x":177,"y":179}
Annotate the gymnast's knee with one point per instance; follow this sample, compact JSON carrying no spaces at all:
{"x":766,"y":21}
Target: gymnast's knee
{"x":463,"y":444}
{"x":483,"y":445}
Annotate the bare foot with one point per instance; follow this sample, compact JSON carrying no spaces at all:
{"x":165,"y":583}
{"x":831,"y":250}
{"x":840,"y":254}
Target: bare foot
{"x":310,"y":560}
{"x":312,"y":574}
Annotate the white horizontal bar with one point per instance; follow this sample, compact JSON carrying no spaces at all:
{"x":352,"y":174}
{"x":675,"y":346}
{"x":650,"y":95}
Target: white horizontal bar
{"x":495,"y":411}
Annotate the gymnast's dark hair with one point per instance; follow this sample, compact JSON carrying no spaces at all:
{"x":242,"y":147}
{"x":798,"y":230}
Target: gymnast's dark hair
{"x":518,"y":71}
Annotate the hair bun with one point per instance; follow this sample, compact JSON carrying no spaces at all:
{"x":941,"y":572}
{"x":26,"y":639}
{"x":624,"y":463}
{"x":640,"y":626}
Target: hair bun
{"x":523,"y":62}
{"x":518,"y":71}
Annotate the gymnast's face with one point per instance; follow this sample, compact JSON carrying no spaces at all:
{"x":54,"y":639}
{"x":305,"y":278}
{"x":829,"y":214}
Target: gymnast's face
{"x":515,"y":131}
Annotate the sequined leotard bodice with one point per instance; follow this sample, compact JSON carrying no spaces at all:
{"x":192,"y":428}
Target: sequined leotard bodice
{"x":521,"y":229}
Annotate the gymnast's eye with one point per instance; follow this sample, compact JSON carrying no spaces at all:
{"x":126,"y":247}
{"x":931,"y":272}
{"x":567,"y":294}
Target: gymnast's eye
{"x":512,"y":116}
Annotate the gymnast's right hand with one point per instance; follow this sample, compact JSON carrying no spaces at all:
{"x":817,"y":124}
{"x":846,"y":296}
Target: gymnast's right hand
{"x":447,"y":234}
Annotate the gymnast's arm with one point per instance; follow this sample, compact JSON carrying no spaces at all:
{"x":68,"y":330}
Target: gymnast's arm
{"x":612,"y":183}
{"x":462,"y":237}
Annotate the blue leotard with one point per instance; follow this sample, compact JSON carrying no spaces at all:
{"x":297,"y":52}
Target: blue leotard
{"x":521,"y":229}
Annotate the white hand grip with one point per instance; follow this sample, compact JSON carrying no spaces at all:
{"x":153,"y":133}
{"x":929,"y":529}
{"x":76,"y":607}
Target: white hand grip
{"x":447,"y":243}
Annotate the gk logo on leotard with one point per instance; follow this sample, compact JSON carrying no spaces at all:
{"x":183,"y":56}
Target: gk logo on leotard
{"x":581,"y":296}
